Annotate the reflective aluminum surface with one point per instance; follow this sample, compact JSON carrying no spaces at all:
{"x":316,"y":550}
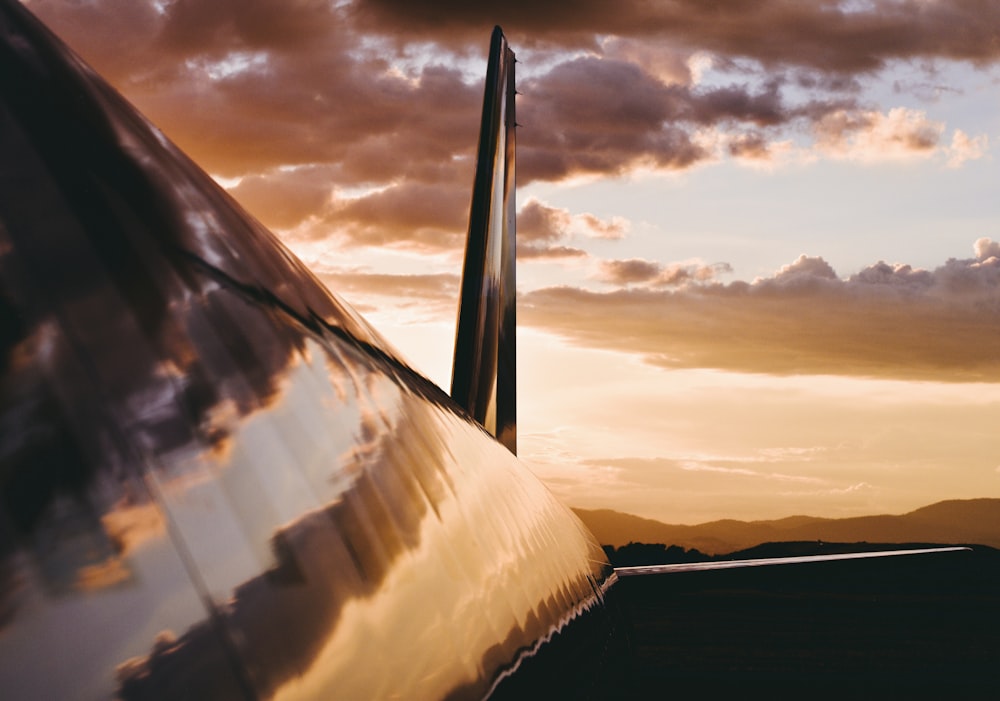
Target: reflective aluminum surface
{"x":216,"y":481}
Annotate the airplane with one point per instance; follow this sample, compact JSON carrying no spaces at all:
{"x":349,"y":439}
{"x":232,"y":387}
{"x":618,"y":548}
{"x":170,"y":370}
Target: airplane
{"x":217,"y":480}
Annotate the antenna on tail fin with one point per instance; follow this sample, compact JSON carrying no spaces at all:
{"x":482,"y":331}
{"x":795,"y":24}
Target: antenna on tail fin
{"x":484,"y":372}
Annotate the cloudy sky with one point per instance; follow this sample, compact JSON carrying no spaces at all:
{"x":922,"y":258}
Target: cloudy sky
{"x":759,"y":242}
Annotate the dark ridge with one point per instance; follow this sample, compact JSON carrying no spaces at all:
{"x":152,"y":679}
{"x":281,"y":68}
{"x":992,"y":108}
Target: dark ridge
{"x":952,"y":521}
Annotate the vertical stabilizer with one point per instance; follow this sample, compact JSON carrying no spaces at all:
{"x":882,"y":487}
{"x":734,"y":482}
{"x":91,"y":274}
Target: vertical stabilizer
{"x":484,"y":370}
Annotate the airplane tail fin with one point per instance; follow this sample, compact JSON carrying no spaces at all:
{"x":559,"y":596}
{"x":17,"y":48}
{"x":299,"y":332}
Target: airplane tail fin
{"x":484,"y":370}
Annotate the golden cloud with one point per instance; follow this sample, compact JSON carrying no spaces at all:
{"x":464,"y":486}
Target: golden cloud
{"x":890,"y":321}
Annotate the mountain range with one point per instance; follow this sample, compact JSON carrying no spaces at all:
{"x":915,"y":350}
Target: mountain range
{"x":964,"y":521}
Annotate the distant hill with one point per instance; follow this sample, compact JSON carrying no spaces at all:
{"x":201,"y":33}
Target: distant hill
{"x":974,"y":521}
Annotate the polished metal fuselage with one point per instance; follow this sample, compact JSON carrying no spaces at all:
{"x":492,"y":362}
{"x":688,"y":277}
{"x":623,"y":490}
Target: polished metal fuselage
{"x":216,"y":480}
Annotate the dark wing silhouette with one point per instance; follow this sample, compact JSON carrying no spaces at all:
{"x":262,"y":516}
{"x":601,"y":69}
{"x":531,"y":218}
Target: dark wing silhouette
{"x":484,"y":371}
{"x":641,"y":570}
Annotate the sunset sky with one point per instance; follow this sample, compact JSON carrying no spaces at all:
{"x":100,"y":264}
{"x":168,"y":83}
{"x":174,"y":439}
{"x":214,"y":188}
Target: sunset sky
{"x":759,"y":242}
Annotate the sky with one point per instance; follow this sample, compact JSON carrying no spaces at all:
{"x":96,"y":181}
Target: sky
{"x":758,"y":242}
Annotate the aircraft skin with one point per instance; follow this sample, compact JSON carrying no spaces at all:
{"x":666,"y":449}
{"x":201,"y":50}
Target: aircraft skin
{"x":216,"y":480}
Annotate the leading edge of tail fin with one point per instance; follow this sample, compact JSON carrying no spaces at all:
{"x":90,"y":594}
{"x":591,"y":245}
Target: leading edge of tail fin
{"x":484,"y":372}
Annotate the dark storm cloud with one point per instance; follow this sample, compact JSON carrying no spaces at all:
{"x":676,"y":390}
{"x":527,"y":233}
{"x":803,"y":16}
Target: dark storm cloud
{"x":119,"y":37}
{"x":247,"y":87}
{"x":599,"y":116}
{"x":254,"y":24}
{"x":821,"y":34}
{"x":607,"y":116}
{"x":236,"y":89}
{"x":737,"y":103}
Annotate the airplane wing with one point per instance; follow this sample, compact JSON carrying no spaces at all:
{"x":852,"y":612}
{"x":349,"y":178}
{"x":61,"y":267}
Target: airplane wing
{"x":644,"y":570}
{"x":924,"y":626}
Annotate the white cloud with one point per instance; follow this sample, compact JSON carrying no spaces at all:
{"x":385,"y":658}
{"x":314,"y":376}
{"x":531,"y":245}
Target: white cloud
{"x":965,"y":148}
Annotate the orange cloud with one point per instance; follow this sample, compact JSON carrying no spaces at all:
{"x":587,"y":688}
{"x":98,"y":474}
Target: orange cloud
{"x":283,"y":198}
{"x":413,"y":214}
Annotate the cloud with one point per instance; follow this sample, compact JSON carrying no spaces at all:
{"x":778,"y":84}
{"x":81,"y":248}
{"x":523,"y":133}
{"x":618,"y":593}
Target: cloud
{"x":826,"y":35}
{"x":118,"y":37}
{"x":590,"y":115}
{"x":736,"y":102}
{"x":328,"y":108}
{"x":539,"y":223}
{"x":249,"y":87}
{"x":675,"y":472}
{"x":606,"y":116}
{"x":986,"y":248}
{"x":698,"y":489}
{"x":636,"y":271}
{"x":530,"y":251}
{"x":752,"y":145}
{"x":805,"y":272}
{"x":965,"y":148}
{"x":298,"y":100}
{"x":666,"y":65}
{"x":543,"y":231}
{"x":412,"y":214}
{"x":874,"y":136}
{"x":268,"y":24}
{"x":595,"y":227}
{"x":283,"y":198}
{"x":624,"y":272}
{"x":890,"y":321}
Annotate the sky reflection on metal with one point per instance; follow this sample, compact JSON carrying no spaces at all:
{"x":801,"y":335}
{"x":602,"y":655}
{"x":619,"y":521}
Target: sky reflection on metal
{"x":217,"y":480}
